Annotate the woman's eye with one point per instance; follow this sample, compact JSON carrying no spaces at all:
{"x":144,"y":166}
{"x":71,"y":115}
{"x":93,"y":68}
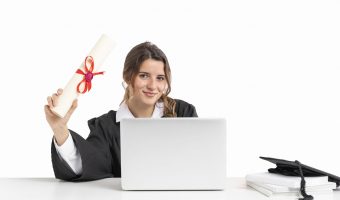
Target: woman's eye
{"x":143,"y":76}
{"x":161,"y":78}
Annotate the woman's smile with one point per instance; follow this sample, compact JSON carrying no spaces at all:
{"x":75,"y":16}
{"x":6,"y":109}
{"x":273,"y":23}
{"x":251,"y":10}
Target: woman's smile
{"x":149,"y":94}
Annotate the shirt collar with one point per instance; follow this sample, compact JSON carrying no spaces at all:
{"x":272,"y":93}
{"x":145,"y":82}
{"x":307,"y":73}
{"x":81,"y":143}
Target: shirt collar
{"x":124,"y":112}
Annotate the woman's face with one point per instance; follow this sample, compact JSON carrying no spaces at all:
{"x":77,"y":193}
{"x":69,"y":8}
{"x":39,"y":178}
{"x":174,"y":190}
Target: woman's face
{"x":150,"y":82}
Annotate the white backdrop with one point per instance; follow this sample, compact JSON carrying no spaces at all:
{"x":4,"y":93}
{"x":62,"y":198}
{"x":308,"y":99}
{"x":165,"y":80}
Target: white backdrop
{"x":270,"y":67}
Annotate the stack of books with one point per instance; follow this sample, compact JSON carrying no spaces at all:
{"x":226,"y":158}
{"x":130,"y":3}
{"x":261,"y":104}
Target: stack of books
{"x":278,"y":185}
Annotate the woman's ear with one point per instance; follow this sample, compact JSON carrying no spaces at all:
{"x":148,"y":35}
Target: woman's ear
{"x":130,"y":89}
{"x":125,"y":85}
{"x":165,"y":89}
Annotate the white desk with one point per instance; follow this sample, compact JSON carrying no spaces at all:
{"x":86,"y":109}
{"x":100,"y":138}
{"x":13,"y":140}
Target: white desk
{"x":50,"y":189}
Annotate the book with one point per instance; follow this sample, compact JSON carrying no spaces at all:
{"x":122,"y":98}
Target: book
{"x":279,"y":188}
{"x":282,"y":180}
{"x":326,"y":191}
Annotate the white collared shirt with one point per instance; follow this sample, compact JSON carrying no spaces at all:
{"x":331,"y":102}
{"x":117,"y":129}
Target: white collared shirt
{"x":124,"y":112}
{"x":69,"y":152}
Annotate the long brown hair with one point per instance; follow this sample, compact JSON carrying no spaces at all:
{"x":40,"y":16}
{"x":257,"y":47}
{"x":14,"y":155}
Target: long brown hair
{"x":133,"y":61}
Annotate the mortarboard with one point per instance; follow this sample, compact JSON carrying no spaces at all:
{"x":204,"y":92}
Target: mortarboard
{"x":295,"y":168}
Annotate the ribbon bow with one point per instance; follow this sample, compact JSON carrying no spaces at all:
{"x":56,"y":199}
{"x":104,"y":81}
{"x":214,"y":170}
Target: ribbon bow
{"x":88,"y":74}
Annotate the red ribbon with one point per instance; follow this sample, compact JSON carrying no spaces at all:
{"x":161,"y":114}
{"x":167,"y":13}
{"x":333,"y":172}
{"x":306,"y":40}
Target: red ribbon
{"x":88,"y":74}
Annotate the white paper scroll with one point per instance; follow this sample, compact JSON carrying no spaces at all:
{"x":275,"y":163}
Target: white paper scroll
{"x":99,"y":53}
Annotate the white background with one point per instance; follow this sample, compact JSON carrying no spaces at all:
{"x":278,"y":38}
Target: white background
{"x":271,"y":68}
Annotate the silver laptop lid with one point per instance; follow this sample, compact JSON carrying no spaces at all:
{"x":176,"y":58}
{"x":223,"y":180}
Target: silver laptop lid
{"x":173,"y":154}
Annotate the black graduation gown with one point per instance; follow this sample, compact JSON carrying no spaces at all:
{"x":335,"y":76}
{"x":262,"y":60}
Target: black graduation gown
{"x":100,"y":152}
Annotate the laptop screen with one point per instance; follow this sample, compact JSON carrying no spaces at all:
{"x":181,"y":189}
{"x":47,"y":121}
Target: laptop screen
{"x":173,"y":153}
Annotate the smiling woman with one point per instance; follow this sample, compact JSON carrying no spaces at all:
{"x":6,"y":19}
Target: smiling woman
{"x":148,"y":87}
{"x":147,"y":77}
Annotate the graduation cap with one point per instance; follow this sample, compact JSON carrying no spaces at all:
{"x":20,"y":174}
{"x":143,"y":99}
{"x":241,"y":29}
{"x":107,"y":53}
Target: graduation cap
{"x":295,"y":168}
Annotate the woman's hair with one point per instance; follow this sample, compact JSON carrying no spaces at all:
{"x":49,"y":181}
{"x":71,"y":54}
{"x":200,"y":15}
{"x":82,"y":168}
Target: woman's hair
{"x":134,"y":60}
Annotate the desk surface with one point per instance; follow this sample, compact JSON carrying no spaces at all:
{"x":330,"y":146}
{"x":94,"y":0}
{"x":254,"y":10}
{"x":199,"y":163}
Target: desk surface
{"x":50,"y":188}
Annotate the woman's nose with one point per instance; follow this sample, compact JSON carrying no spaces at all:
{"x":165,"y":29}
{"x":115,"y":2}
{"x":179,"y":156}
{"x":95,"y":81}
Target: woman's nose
{"x":151,"y":84}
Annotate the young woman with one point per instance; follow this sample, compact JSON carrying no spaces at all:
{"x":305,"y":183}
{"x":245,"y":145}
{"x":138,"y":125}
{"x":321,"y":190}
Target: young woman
{"x":147,"y":77}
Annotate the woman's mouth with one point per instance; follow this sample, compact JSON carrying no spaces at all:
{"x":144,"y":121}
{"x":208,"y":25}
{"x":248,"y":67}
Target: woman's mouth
{"x":149,"y":94}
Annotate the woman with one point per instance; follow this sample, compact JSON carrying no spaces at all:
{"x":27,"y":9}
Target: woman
{"x":147,"y":78}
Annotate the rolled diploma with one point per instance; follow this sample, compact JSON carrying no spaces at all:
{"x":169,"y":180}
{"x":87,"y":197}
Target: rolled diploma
{"x":99,"y":53}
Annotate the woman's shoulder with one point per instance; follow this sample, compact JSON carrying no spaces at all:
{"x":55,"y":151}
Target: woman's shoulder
{"x":108,"y":118}
{"x":185,"y":109}
{"x":180,"y":102}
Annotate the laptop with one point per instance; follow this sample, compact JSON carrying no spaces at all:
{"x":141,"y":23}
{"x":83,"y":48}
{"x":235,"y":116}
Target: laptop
{"x":173,"y":154}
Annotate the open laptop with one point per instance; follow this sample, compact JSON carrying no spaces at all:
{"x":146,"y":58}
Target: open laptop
{"x":173,"y":154}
